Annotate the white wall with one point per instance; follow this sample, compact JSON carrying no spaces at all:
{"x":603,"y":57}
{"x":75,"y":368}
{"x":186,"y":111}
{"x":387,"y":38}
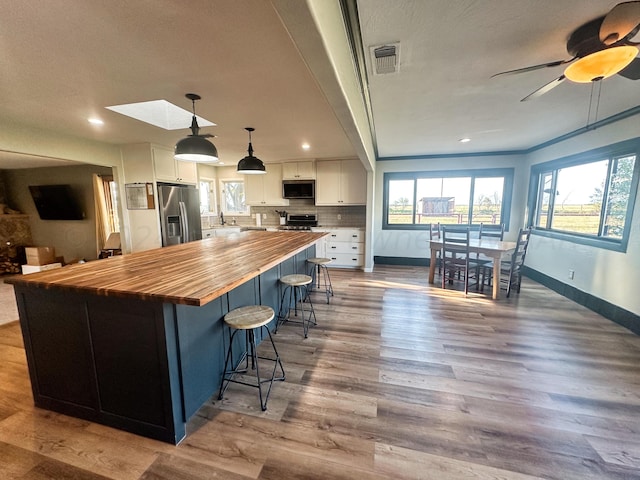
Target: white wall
{"x":413,"y":244}
{"x":31,"y":141}
{"x":605,"y":274}
{"x":608,"y":275}
{"x":72,"y":239}
{"x":140,"y":228}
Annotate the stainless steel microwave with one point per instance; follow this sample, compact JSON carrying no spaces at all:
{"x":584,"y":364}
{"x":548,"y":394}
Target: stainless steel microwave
{"x":298,"y":188}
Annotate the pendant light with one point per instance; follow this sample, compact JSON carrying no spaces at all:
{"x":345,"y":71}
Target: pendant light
{"x":251,"y":165}
{"x":195,"y":147}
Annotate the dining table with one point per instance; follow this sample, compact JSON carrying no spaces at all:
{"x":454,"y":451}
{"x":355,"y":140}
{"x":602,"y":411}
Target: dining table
{"x":490,"y":247}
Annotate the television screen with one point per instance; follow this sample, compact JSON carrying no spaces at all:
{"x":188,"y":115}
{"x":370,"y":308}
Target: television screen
{"x":56,"y":202}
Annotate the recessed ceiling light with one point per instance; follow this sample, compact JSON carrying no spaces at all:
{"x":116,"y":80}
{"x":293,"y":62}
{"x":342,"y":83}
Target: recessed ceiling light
{"x":160,"y":113}
{"x":95,"y":121}
{"x":464,"y":140}
{"x":306,"y":146}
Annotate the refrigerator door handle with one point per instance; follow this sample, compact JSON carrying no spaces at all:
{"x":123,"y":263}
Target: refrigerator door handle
{"x":185,"y":222}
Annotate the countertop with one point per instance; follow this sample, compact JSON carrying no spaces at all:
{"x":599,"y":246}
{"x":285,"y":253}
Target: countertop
{"x":193,"y":273}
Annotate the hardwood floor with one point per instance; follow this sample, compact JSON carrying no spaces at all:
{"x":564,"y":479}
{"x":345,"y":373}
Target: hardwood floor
{"x":8,"y":309}
{"x":398,"y":380}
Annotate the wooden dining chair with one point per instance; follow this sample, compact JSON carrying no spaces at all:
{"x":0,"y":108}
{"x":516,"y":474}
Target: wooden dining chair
{"x":436,"y":234}
{"x":488,"y":230}
{"x":491,"y":231}
{"x":511,"y":271}
{"x":455,"y":258}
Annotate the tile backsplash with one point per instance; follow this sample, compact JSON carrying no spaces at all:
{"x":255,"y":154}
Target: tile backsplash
{"x":351,"y":216}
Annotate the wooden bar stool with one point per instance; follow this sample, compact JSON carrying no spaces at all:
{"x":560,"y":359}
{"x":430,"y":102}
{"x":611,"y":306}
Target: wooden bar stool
{"x":319,"y":269}
{"x":250,"y":319}
{"x":296,"y":286}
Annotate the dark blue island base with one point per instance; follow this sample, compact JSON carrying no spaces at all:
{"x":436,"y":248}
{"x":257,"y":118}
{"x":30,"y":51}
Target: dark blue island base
{"x":138,"y":365}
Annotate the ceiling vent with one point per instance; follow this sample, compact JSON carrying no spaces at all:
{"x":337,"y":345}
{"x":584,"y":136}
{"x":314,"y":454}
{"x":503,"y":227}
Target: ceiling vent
{"x":385,"y":58}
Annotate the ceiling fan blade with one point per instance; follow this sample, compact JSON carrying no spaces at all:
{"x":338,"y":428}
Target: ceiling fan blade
{"x":632,"y":71}
{"x":534,"y":67}
{"x":544,"y":89}
{"x":622,"y":20}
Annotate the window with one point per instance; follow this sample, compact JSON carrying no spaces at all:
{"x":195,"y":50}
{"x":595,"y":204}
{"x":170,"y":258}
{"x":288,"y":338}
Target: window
{"x":232,"y":199}
{"x":208,"y":203}
{"x":586,"y":198}
{"x":469,"y":197}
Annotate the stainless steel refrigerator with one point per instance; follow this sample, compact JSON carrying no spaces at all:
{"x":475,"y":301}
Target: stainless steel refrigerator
{"x":179,"y":214}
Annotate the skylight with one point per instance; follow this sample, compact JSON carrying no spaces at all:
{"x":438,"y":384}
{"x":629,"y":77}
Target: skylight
{"x":160,"y":113}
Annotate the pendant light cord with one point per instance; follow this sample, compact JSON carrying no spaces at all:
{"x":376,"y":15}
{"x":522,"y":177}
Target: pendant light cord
{"x":250,"y":149}
{"x":593,"y":86}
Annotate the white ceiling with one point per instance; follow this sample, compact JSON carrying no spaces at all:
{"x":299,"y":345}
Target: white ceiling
{"x":450,"y":49}
{"x":64,"y":61}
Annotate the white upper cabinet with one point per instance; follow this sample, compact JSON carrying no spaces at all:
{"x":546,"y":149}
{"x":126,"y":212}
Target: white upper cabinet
{"x":187,"y":171}
{"x":168,"y":169}
{"x":299,"y":170}
{"x":341,"y":182}
{"x":265,"y":189}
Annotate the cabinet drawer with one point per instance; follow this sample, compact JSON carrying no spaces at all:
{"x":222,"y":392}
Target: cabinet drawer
{"x":346,"y":235}
{"x":345,"y":247}
{"x":346,"y":260}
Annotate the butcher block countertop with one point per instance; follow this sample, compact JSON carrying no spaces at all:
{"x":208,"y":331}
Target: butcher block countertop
{"x":193,"y":273}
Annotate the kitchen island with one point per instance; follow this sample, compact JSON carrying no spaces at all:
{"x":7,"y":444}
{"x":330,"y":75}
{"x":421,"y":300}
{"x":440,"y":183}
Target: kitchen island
{"x":136,"y":341}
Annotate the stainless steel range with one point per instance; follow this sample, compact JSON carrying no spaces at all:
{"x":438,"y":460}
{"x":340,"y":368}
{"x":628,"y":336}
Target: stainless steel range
{"x":301,"y":222}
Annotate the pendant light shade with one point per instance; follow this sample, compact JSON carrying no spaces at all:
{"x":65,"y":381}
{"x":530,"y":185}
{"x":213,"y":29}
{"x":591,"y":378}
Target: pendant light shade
{"x":251,"y":165}
{"x":196,"y":147}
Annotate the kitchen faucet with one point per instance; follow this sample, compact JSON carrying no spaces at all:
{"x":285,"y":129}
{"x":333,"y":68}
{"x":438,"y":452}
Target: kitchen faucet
{"x":222,"y":222}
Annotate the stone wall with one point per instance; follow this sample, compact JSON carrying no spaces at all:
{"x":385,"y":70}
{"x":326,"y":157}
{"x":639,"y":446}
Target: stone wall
{"x":15,"y":234}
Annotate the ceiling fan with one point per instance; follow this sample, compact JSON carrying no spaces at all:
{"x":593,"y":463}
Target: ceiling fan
{"x":600,"y":48}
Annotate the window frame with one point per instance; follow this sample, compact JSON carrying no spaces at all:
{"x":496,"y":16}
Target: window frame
{"x":223,"y":203}
{"x":212,"y":194}
{"x":609,"y":152}
{"x":507,"y":194}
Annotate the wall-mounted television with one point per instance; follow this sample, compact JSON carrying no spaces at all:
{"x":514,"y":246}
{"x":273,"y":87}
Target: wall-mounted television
{"x":56,"y":202}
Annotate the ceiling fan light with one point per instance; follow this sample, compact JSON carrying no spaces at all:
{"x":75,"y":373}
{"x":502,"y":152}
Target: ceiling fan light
{"x":196,"y":149}
{"x":251,"y":165}
{"x":601,"y":64}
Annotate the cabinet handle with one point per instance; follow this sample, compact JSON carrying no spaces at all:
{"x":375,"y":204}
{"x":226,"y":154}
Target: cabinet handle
{"x":354,"y":236}
{"x":354,"y":248}
{"x":334,"y":235}
{"x":334,"y":247}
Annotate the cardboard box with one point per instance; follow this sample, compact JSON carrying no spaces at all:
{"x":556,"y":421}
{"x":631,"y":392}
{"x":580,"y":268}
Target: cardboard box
{"x":40,"y":255}
{"x":26,"y":269}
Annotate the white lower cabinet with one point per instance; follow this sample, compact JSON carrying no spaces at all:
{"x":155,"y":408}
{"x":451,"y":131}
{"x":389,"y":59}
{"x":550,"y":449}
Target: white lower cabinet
{"x":344,"y":246}
{"x":219,"y":232}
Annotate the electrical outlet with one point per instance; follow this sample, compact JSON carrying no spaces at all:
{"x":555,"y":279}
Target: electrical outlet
{"x":571,"y":274}
{"x":264,"y":216}
{"x":339,"y":217}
